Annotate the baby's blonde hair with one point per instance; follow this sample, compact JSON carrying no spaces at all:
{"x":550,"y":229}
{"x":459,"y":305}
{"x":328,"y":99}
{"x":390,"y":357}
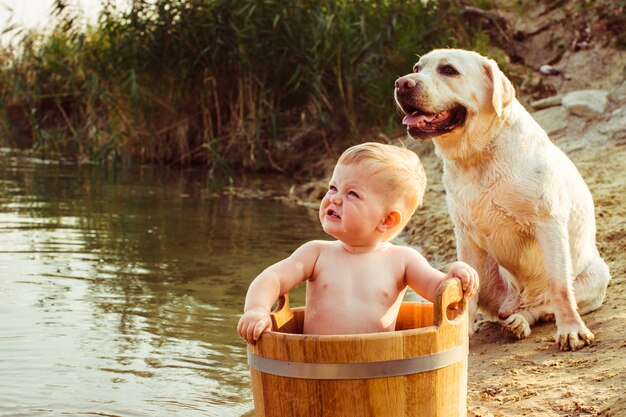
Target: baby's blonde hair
{"x":398,"y":173}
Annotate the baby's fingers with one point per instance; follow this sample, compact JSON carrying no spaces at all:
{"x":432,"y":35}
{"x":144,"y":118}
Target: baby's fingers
{"x":464,"y":276}
{"x":251,"y":330}
{"x":260,"y":327}
{"x":472,"y":286}
{"x":242,"y":327}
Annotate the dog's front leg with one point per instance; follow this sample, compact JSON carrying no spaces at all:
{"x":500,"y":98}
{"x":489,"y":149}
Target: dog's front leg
{"x":553,"y":238}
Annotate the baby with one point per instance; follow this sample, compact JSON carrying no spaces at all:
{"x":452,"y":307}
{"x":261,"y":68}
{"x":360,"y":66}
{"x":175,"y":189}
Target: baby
{"x":356,"y":284}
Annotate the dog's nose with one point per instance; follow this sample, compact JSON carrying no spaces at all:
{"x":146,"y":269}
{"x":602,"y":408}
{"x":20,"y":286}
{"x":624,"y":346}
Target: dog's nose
{"x":405,"y":83}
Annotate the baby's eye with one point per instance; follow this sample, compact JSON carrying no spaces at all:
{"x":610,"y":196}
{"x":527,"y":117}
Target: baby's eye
{"x":353,"y":194}
{"x":332,"y":188}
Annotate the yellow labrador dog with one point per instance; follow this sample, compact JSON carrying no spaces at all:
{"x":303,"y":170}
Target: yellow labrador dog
{"x":522,"y":213}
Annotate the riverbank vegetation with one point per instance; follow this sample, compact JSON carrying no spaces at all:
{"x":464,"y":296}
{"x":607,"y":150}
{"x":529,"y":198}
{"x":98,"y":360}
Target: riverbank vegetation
{"x":231,"y":84}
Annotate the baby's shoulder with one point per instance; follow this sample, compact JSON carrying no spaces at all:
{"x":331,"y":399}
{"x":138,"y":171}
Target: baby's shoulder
{"x":401,"y":248}
{"x":315,"y":251}
{"x":319,"y":245}
{"x":403,"y":251}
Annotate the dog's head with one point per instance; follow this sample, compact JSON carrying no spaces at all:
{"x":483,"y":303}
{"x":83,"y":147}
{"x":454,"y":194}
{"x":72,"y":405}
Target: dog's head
{"x":452,"y":94}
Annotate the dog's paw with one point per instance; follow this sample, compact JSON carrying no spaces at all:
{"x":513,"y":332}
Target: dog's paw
{"x":517,"y":325}
{"x":573,"y":337}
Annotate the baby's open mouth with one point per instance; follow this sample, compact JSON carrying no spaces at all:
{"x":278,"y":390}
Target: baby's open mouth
{"x":332,"y":213}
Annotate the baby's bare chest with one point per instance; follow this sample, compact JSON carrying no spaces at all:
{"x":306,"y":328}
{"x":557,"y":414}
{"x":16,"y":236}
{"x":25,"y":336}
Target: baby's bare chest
{"x":367,"y":278}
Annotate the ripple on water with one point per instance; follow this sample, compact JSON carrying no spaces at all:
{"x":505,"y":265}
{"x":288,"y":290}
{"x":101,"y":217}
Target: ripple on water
{"x":120,"y":298}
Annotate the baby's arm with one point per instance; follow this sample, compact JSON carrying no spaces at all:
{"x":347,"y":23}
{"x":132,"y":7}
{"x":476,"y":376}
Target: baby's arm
{"x":424,"y":279}
{"x":274,"y":281}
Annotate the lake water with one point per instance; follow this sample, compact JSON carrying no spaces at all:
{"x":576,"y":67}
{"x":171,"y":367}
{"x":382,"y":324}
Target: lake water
{"x":120,"y":290}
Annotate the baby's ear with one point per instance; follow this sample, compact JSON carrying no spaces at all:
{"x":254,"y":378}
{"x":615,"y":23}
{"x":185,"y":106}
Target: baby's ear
{"x":391,"y":221}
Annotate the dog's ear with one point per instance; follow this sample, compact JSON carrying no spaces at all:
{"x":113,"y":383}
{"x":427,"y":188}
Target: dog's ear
{"x":503,"y":91}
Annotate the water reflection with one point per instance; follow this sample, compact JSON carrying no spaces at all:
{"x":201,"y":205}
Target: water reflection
{"x":120,"y":290}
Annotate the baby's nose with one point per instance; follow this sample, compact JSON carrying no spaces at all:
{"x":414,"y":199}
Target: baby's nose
{"x":336,"y":199}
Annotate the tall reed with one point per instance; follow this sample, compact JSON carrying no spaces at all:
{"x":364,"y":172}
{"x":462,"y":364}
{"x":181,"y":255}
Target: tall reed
{"x":227,"y":83}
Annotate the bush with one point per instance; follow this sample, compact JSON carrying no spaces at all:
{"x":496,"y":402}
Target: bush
{"x":251,"y":84}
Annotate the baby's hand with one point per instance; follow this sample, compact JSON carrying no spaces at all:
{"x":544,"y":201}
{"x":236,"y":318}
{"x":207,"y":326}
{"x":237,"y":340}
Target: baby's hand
{"x":468,"y":277}
{"x":253,"y":323}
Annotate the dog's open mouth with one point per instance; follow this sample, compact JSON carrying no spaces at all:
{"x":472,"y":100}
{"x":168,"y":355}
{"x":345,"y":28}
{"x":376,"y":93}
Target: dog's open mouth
{"x":422,"y":125}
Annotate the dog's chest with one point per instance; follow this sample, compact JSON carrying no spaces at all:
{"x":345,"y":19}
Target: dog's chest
{"x":489,"y":209}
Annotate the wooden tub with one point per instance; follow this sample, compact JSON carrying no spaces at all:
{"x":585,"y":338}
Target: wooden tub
{"x":419,"y":370}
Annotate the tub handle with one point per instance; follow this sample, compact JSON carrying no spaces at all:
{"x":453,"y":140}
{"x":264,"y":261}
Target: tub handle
{"x":449,"y":304}
{"x":282,"y":314}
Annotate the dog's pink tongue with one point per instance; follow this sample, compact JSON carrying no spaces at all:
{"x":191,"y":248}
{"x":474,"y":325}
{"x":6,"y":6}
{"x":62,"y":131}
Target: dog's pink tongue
{"x":411,"y":119}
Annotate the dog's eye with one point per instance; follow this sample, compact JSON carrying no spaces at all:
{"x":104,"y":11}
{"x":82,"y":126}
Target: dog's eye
{"x":448,"y":70}
{"x":416,"y":68}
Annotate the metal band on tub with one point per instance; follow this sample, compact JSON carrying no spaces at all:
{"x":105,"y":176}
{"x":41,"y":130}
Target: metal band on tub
{"x":359,"y":370}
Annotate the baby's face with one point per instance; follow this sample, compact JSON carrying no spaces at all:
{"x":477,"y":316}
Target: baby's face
{"x":352,"y":209}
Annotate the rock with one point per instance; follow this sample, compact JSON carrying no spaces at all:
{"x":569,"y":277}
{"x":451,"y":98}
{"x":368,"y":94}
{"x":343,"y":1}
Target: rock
{"x":544,"y":103}
{"x":586,"y":103}
{"x":549,"y":70}
{"x":615,"y":126}
{"x":552,"y":119}
{"x":618,"y":95}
